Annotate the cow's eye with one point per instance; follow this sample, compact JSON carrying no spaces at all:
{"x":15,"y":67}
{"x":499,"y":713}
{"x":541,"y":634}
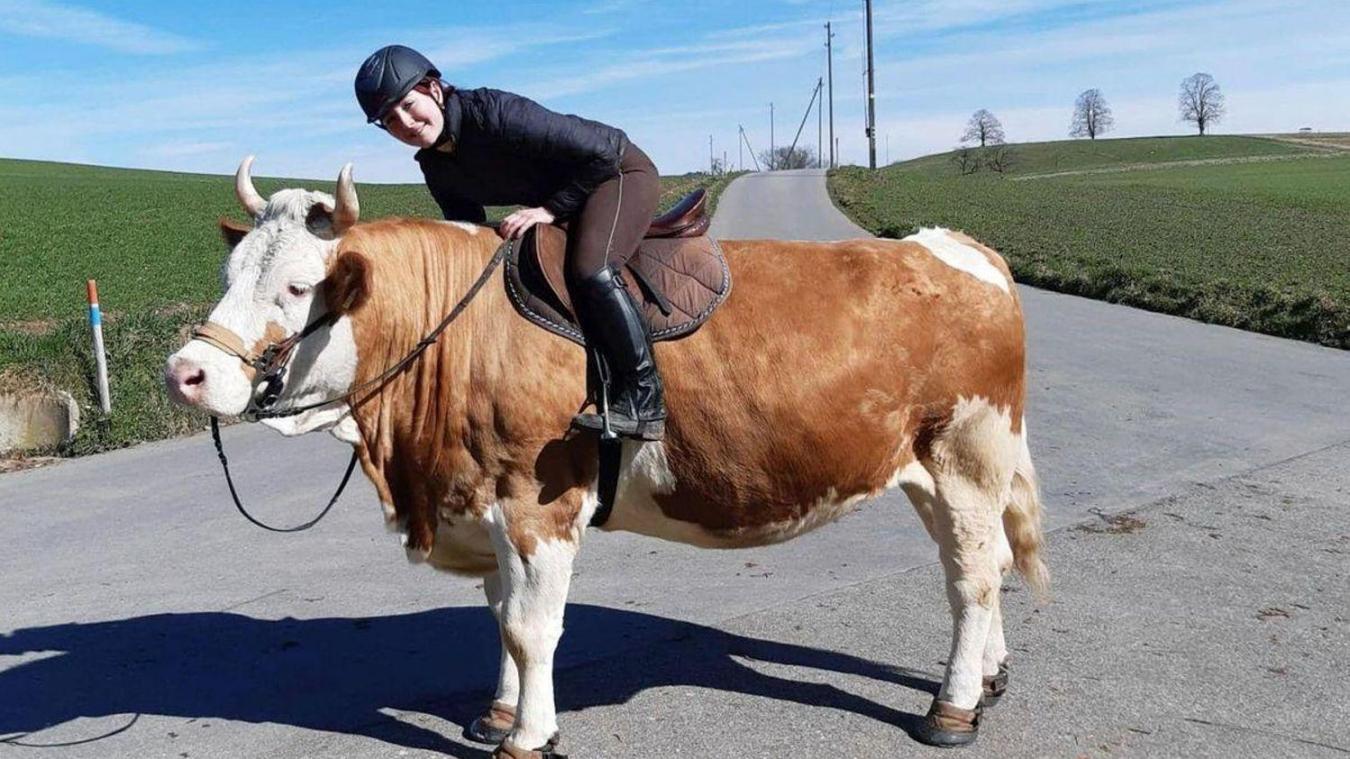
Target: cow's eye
{"x":297,"y":290}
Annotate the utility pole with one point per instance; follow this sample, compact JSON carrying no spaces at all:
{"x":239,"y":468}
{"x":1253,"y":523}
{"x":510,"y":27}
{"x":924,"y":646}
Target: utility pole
{"x":772,"y":160}
{"x":871,"y":97}
{"x":820,"y":128}
{"x":829,"y":67}
{"x":751,"y":147}
{"x":740,"y":152}
{"x":712,"y":162}
{"x":815,"y":92}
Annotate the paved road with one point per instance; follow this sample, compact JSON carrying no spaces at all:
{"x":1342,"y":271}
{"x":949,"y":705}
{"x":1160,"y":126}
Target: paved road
{"x":139,"y":616}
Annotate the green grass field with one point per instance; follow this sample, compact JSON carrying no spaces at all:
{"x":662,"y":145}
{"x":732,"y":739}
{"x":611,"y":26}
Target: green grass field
{"x":1088,"y":155}
{"x":1257,"y":244}
{"x":150,"y":239}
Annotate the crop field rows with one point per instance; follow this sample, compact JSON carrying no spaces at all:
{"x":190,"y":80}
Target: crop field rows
{"x":151,"y":240}
{"x":1260,"y":245}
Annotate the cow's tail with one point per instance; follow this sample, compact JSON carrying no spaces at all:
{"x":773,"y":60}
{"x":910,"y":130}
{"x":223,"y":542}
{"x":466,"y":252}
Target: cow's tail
{"x":1022,"y":522}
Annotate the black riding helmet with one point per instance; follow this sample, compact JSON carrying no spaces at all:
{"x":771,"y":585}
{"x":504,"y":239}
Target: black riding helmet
{"x":386,"y":76}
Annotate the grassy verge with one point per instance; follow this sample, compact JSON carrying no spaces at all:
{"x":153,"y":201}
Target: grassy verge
{"x":137,"y":344}
{"x":1254,"y":245}
{"x":150,"y":239}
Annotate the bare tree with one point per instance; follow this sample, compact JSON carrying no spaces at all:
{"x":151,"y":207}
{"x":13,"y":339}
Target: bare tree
{"x":1091,"y":115}
{"x":1200,"y":101}
{"x":984,"y":128}
{"x":998,"y":158}
{"x":787,"y":157}
{"x":966,"y":160}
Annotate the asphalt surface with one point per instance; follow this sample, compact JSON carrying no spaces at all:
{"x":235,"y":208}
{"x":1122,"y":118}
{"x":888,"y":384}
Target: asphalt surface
{"x":141,"y":617}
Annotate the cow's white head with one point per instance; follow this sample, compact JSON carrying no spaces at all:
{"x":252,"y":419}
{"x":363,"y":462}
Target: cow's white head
{"x":277,"y":280}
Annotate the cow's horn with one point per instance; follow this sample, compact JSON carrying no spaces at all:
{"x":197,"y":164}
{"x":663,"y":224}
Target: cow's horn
{"x":348,"y":208}
{"x":249,"y":198}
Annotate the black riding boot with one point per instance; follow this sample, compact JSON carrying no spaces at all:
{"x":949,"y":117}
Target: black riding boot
{"x":615,"y":328}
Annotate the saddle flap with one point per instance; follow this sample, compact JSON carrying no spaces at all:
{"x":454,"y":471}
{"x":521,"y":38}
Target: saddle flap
{"x":677,"y":282}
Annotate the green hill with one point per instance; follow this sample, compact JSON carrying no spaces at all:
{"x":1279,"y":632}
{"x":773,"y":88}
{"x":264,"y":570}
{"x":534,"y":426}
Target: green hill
{"x":148,"y":237}
{"x":1087,"y":155}
{"x":151,"y":241}
{"x":1243,"y":231}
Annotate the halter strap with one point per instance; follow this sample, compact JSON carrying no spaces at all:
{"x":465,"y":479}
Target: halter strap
{"x":274,"y":357}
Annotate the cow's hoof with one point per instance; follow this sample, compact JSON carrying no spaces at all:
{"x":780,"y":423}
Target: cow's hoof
{"x":493,"y":727}
{"x":995,"y":686}
{"x":947,"y":726}
{"x":506,"y":750}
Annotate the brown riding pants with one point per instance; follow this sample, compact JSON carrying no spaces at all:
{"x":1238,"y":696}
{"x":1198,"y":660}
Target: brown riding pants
{"x":614,"y":219}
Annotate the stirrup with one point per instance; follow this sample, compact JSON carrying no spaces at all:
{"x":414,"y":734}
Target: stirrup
{"x":622,"y":425}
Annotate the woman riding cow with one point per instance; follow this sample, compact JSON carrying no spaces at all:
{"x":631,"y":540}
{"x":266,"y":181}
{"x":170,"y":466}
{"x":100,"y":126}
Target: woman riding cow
{"x":488,"y":147}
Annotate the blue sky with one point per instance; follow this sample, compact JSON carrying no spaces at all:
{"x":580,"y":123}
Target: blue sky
{"x":196,"y":86}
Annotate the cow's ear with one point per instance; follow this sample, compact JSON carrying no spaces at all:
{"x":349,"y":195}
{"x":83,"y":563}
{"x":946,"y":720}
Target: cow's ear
{"x":233,"y":231}
{"x":347,"y":285}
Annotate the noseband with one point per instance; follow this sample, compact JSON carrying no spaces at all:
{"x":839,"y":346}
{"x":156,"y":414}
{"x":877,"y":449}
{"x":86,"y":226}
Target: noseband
{"x":264,"y":368}
{"x":267,"y":367}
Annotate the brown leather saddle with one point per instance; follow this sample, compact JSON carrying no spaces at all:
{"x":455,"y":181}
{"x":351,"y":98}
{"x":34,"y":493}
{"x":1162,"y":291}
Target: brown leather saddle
{"x":678,"y":275}
{"x":687,"y":218}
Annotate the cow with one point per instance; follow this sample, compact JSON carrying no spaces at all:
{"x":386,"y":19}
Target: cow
{"x":834,"y":371}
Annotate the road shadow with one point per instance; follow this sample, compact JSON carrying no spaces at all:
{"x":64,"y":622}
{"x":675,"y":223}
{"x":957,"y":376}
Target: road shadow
{"x":337,"y":674}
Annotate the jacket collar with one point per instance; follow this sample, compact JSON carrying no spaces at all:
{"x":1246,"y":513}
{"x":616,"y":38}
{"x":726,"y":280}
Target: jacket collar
{"x":454,"y":118}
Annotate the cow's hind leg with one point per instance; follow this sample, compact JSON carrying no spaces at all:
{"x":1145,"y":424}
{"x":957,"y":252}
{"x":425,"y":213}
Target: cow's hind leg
{"x":496,"y":724}
{"x":972,"y":464}
{"x":536,"y":573}
{"x":995,"y":669}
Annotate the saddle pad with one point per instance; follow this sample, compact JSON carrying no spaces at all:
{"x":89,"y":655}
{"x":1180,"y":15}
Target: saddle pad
{"x":677,"y":282}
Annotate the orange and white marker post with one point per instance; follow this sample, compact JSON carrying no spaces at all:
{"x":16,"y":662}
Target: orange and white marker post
{"x":96,"y":323}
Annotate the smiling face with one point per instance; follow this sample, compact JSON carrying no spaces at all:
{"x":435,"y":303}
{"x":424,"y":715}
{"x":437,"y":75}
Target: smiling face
{"x":417,"y":118}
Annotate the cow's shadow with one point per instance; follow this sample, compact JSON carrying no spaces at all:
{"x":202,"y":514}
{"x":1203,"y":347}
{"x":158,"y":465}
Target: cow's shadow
{"x":343,"y":674}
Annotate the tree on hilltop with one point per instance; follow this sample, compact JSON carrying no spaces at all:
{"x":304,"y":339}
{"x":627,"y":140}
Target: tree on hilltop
{"x":1091,"y":115}
{"x":984,"y":128}
{"x":1200,"y":101}
{"x":788,"y":157}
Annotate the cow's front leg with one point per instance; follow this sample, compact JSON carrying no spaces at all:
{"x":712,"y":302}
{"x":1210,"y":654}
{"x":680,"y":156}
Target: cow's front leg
{"x":496,"y":724}
{"x":536,"y":570}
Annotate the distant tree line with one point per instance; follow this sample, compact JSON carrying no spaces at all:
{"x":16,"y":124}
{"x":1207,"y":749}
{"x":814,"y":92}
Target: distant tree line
{"x":984,"y":144}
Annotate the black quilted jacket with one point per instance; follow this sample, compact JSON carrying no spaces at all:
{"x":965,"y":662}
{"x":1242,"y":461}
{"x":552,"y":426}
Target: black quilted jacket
{"x":510,"y":150}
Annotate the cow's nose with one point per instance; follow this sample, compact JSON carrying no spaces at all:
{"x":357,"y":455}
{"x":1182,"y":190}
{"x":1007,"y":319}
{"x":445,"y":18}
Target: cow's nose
{"x":185,"y":381}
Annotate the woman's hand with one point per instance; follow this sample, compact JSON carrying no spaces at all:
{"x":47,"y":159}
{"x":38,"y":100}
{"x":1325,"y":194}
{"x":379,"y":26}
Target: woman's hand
{"x":514,"y":226}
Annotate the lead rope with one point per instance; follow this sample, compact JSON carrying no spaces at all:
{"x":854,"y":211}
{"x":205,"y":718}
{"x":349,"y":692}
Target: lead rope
{"x":225,"y":464}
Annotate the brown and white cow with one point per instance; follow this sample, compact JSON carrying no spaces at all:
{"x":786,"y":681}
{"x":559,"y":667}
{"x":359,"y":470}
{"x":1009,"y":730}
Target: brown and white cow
{"x":833,"y":372}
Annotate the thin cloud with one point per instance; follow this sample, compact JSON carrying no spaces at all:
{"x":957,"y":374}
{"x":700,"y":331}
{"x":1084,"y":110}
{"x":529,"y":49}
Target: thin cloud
{"x":606,"y":7}
{"x":48,"y":20}
{"x":672,"y":60}
{"x":181,"y":149}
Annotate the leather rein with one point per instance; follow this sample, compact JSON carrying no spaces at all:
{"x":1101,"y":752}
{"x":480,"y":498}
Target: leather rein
{"x":266,"y":368}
